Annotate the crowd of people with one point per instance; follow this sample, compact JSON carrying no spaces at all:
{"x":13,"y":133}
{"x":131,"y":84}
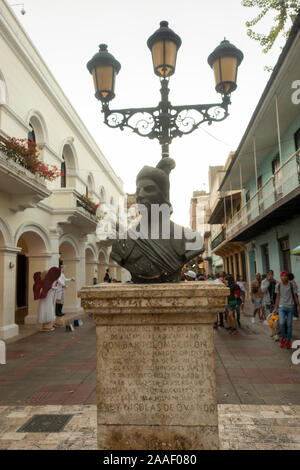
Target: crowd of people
{"x":106,"y":280}
{"x":276,"y":303}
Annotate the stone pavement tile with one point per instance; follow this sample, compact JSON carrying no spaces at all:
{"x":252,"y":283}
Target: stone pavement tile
{"x":19,"y":414}
{"x":294,"y":421}
{"x":36,"y":436}
{"x":92,"y":399}
{"x":253,"y":372}
{"x":224,"y":409}
{"x":13,"y":436}
{"x":223,"y":380}
{"x":56,"y":437}
{"x":33,"y":446}
{"x":90,"y":378}
{"x":80,"y":395}
{"x":265,"y":389}
{"x":234,"y":372}
{"x":4,"y":445}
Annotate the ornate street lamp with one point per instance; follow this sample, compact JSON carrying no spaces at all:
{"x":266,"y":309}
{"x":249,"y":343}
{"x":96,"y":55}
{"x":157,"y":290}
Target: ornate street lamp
{"x":165,"y":122}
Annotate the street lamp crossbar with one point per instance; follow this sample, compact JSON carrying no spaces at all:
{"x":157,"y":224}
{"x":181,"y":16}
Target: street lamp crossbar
{"x":165,"y":122}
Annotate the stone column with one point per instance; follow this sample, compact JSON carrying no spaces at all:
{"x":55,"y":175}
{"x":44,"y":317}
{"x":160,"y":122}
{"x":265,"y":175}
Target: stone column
{"x":55,"y":234}
{"x":156,"y":381}
{"x":91,"y":271}
{"x":8,"y":262}
{"x":73,"y":268}
{"x":82,"y":262}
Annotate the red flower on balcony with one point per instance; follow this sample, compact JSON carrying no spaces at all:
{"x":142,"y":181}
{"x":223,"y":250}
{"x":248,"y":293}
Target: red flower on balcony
{"x":88,"y":204}
{"x":26,"y":154}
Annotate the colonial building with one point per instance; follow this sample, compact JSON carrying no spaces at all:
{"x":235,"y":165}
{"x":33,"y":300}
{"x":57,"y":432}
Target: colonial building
{"x":264,"y":175}
{"x":42,"y":221}
{"x":224,"y":206}
{"x":198,"y":223}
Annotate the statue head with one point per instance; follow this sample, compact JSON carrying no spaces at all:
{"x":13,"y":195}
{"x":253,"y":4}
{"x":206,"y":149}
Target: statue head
{"x":153,"y":184}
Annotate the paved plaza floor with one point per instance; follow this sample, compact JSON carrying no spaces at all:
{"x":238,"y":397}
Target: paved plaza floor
{"x":54,"y":373}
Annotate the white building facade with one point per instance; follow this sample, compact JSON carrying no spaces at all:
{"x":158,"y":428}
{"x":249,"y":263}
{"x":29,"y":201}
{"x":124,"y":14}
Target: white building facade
{"x":41,"y":221}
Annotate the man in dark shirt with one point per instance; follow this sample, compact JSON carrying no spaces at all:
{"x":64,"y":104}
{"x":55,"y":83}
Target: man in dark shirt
{"x":232,"y":303}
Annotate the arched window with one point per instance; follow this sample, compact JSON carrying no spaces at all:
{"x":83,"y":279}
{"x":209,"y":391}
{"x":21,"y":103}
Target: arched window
{"x":31,"y":134}
{"x":102,"y":194}
{"x":63,"y":180}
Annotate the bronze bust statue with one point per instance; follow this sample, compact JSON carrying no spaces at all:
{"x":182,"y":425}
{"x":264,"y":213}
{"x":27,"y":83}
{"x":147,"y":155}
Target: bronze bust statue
{"x":155,"y":250}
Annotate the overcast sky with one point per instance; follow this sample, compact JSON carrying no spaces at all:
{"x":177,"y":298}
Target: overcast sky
{"x":67,"y":34}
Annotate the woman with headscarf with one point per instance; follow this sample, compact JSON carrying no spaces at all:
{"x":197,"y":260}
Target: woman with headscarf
{"x":44,"y":289}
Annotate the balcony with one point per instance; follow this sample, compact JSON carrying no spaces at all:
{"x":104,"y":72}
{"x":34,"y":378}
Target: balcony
{"x":68,"y":208}
{"x":24,"y":188}
{"x":220,"y":238}
{"x":277,"y":200}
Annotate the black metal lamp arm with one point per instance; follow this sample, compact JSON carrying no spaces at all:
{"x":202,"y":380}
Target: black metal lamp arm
{"x":165,"y":121}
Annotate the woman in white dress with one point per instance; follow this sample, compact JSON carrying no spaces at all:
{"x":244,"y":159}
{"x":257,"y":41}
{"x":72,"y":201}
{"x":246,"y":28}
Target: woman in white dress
{"x":45,"y":290}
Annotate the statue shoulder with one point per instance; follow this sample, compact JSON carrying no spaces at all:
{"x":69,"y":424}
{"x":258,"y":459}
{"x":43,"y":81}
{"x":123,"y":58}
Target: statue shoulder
{"x":184,"y":236}
{"x":177,"y":239}
{"x":121,"y":249}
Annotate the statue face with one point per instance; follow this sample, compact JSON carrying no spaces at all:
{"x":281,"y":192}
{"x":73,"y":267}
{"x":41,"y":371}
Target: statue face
{"x":148,"y":192}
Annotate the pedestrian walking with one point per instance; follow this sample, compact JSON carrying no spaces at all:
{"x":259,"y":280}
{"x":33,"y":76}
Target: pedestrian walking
{"x":268,"y":287}
{"x":257,"y":297}
{"x":287,"y":296}
{"x":242,"y":285}
{"x":221,"y":314}
{"x":232,"y":303}
{"x":44,"y":290}
{"x":107,"y":277}
{"x":190,"y":276}
{"x":292,"y":280}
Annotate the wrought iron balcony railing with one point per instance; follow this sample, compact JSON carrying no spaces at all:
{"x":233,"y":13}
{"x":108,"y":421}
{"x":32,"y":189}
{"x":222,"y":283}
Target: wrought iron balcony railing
{"x":285,"y":180}
{"x":221,"y":237}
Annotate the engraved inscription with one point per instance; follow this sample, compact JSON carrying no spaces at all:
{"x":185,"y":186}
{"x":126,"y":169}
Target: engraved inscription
{"x":156,"y":375}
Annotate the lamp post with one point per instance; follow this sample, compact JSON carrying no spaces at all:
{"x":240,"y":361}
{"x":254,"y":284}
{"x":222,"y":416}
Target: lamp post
{"x":165,"y":121}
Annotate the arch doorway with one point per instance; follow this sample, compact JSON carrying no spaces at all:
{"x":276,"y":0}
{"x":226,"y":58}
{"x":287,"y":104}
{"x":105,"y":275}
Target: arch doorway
{"x":31,"y":259}
{"x":22,"y":283}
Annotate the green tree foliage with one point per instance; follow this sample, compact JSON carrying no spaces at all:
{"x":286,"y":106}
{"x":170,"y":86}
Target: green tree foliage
{"x":286,"y":12}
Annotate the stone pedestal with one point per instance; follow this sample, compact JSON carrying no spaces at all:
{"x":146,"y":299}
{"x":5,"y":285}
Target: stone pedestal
{"x":156,"y":380}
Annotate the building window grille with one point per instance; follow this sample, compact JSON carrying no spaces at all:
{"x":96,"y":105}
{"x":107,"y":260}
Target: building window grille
{"x":266,"y":258}
{"x":278,"y":193}
{"x":260,"y":194}
{"x":285,"y":253}
{"x":31,"y":134}
{"x":243,"y":261}
{"x":63,"y":180}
